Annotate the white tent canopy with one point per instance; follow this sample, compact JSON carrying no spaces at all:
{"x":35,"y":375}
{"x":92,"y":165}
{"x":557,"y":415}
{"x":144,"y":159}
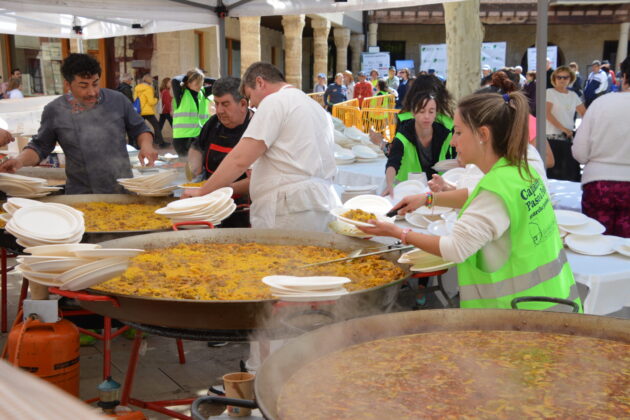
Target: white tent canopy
{"x":108,"y":18}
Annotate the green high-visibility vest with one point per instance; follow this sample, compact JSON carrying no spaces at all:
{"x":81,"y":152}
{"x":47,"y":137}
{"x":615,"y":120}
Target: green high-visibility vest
{"x":187,"y":117}
{"x":443,"y":119}
{"x":537,"y":264}
{"x":410,"y":161}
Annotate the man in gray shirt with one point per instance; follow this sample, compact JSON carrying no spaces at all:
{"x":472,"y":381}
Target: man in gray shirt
{"x":90,"y":125}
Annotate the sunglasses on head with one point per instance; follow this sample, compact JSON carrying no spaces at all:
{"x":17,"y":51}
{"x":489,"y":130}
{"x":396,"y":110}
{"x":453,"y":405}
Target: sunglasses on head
{"x":563,"y":77}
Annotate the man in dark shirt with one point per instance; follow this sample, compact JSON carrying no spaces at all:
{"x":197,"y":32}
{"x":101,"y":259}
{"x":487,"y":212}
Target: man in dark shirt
{"x":218,"y":137}
{"x":90,"y":124}
{"x":125,"y":86}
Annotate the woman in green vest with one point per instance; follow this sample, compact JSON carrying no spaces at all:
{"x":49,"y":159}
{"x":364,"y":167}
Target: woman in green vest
{"x":190,"y":110}
{"x":506,"y":241}
{"x":420,"y":143}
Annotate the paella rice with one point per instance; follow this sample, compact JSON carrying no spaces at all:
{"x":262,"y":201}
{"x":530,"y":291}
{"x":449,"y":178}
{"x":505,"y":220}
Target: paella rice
{"x":234,"y":271}
{"x":359,"y":215}
{"x":110,"y":217}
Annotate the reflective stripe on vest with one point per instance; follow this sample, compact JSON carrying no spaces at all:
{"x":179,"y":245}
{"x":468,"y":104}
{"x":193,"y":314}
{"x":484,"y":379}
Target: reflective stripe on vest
{"x":534,"y":236}
{"x":410,"y":161}
{"x":189,"y":116}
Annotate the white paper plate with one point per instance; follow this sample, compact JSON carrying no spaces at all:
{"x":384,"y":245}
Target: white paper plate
{"x":95,"y":277}
{"x":440,"y":228}
{"x":452,"y":176}
{"x":364,"y":152}
{"x":366,"y":160}
{"x":592,"y":245}
{"x":369,"y":202}
{"x":310,"y":297}
{"x":409,"y":187}
{"x":428,"y":269}
{"x":91,"y":267}
{"x":28,"y":272}
{"x":18,"y":202}
{"x":57,"y":265}
{"x":21,"y":178}
{"x":341,"y":210}
{"x":445,"y":165}
{"x":9,"y":208}
{"x":591,"y":227}
{"x":623,"y":247}
{"x":417,"y":220}
{"x":344,"y":154}
{"x":570,"y":218}
{"x":5,"y":217}
{"x":32,"y":259}
{"x":433,"y":211}
{"x":108,"y":252}
{"x":347,"y":229}
{"x":47,"y":222}
{"x":354,"y":133}
{"x":62,"y":250}
{"x":306,"y":283}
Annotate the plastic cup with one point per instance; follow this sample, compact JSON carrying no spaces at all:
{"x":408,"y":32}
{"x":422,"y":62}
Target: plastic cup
{"x":239,"y":385}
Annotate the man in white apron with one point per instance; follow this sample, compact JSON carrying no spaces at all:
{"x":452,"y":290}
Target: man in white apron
{"x":289,"y":141}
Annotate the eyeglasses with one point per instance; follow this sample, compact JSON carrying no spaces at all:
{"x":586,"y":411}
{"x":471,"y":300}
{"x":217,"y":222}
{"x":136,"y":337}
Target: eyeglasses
{"x":563,"y":77}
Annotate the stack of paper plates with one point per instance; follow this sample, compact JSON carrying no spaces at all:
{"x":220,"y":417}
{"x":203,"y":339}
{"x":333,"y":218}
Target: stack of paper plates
{"x":213,"y":208}
{"x":355,"y":134}
{"x":593,"y":244}
{"x":25,"y":186}
{"x":338,"y":124}
{"x":307,"y":289}
{"x":43,"y":223}
{"x":155,"y":185}
{"x":422,"y":261}
{"x":446,"y":164}
{"x":74,"y":266}
{"x":344,"y":157}
{"x":410,"y":187}
{"x":365,"y":153}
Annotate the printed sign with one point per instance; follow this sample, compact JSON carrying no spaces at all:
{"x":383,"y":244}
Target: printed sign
{"x":378,"y":61}
{"x":434,"y":56}
{"x":552,"y":54}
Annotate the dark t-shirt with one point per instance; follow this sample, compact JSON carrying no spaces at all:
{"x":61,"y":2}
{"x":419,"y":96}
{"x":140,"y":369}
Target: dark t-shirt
{"x":428,"y":156}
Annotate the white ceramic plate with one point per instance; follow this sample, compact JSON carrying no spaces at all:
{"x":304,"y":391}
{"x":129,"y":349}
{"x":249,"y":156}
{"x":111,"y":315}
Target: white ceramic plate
{"x":417,"y":220}
{"x":445,"y":165}
{"x":47,"y":222}
{"x":95,"y":277}
{"x":570,"y":218}
{"x":312,"y":297}
{"x":592,"y":245}
{"x":107,"y":252}
{"x":364,"y":152}
{"x":440,"y":228}
{"x":591,"y":227}
{"x":62,"y":250}
{"x":306,"y":283}
{"x":369,"y":202}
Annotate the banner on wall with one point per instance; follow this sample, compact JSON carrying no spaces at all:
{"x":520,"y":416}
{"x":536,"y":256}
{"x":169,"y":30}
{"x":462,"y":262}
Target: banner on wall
{"x":433,"y":56}
{"x":378,"y":61}
{"x":552,"y":54}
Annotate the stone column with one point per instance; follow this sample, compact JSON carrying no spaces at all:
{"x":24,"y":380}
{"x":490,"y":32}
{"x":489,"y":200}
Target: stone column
{"x":372,"y":34}
{"x":357,"y":42}
{"x":342,"y":39}
{"x":464,"y":34}
{"x":250,"y":40}
{"x":622,"y":48}
{"x":321,"y":30}
{"x":293,"y":27}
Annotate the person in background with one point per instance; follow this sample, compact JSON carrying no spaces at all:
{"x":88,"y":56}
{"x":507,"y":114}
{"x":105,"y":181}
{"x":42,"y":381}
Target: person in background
{"x":320,"y":86}
{"x":335,"y":92}
{"x":596,"y":84}
{"x":348,"y":81}
{"x":374,"y":76}
{"x":16,"y":72}
{"x":562,"y":104}
{"x":5,"y":137}
{"x":578,"y":84}
{"x":549,"y":72}
{"x":91,"y":125}
{"x":392,"y":80}
{"x":506,"y":241}
{"x":14,"y":90}
{"x":433,"y":73}
{"x":125,"y":86}
{"x":363,"y":88}
{"x":190,"y":108}
{"x":144,"y":91}
{"x":612,"y":79}
{"x":403,"y":86}
{"x":601,"y":144}
{"x":530,"y":91}
{"x":521,"y":79}
{"x":486,"y":71}
{"x":219,"y":136}
{"x":167,"y":103}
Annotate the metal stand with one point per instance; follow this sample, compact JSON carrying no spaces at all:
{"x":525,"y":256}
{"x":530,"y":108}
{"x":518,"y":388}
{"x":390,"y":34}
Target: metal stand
{"x":439,"y":287}
{"x":4,"y":255}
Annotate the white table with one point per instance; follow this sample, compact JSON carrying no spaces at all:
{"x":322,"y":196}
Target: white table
{"x":566,"y":195}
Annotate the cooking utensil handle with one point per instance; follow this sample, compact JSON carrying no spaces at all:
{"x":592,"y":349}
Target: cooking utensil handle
{"x":84,"y":296}
{"x":194,"y":408}
{"x":516,"y":301}
{"x":198,"y":222}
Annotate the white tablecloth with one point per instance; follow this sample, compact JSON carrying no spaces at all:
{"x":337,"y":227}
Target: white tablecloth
{"x":566,"y":195}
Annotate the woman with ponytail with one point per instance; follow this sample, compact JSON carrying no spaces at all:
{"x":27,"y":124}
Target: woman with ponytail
{"x":506,"y":241}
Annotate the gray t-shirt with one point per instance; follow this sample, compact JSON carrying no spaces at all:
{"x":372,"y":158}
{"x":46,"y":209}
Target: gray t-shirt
{"x":93,"y":141}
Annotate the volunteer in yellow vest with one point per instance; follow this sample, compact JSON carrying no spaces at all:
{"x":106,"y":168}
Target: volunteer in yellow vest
{"x":190,"y":109}
{"x":506,"y":240}
{"x":420,"y":143}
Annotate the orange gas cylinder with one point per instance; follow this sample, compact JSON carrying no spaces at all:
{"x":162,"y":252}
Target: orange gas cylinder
{"x":47,"y":350}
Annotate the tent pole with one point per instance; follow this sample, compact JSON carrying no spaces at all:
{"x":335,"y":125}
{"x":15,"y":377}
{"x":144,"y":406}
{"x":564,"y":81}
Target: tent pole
{"x":80,"y":45}
{"x":541,"y":78}
{"x":222,"y":52}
